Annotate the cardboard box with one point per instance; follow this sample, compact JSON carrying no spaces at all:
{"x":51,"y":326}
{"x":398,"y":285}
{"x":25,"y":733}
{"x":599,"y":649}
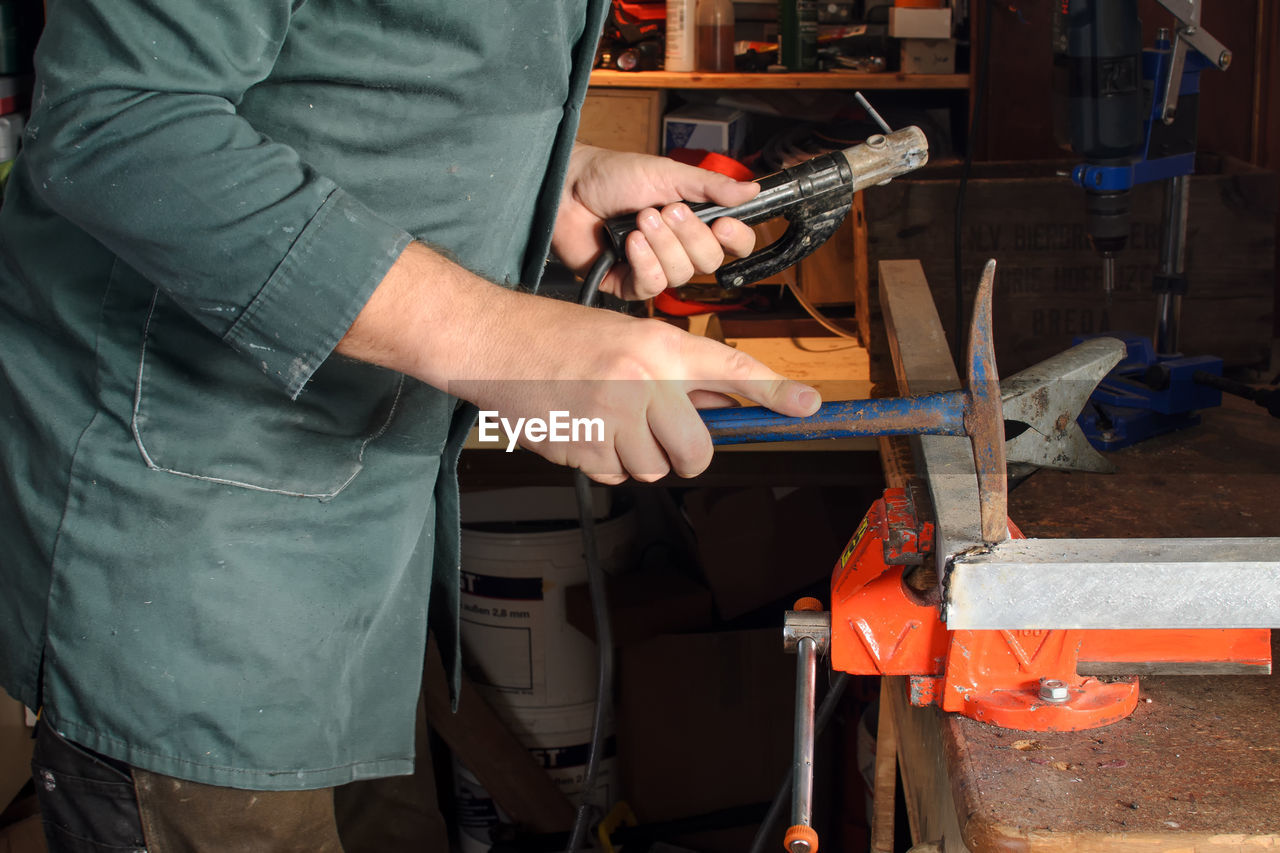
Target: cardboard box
{"x":15,"y":748}
{"x":704,"y":722}
{"x":928,"y":56}
{"x":24,"y":836}
{"x":623,"y":119}
{"x":643,"y":604}
{"x":1049,"y":279}
{"x":705,"y":127}
{"x":758,"y":546}
{"x":906,"y":23}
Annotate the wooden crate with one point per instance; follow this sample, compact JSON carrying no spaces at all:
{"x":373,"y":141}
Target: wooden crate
{"x":623,"y":119}
{"x":1049,"y":280}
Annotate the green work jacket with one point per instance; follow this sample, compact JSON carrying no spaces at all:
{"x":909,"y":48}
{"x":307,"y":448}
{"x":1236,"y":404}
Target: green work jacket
{"x":219,"y":539}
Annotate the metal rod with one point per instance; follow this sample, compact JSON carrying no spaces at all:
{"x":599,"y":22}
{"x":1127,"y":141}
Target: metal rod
{"x":1173,"y":256}
{"x":875,"y":116}
{"x":984,"y":418}
{"x":806,"y":690}
{"x":1168,"y":321}
{"x":825,"y":712}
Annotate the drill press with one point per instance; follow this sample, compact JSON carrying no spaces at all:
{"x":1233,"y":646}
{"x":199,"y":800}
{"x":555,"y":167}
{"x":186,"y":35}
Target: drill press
{"x":1132,"y":116}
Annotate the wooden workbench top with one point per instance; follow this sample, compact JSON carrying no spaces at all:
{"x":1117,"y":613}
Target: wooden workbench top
{"x":1195,"y":767}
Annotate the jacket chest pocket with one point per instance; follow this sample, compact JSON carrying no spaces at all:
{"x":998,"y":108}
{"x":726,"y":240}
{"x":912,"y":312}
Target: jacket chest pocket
{"x":203,"y":411}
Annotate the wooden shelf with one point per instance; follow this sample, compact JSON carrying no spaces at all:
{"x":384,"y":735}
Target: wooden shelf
{"x":815,"y":80}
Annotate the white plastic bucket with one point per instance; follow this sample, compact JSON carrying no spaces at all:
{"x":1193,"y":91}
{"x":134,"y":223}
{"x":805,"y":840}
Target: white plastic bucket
{"x":559,"y":739}
{"x":518,"y":648}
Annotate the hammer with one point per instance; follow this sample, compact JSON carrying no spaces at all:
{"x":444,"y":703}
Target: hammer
{"x":1046,"y":398}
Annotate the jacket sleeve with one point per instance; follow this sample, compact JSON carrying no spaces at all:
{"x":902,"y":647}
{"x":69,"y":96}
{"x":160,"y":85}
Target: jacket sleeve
{"x":134,"y":137}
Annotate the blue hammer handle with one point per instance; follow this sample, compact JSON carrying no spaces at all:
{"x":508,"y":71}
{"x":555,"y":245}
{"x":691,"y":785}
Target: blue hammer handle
{"x":930,"y":414}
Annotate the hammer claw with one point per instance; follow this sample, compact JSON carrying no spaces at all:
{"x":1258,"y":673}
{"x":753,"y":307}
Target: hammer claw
{"x":1048,"y":397}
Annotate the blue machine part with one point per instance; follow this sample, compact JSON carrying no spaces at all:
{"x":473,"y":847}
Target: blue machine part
{"x":1148,"y":395}
{"x":1155,"y":63}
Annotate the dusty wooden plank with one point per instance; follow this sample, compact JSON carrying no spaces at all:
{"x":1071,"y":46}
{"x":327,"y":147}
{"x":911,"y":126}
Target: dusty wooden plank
{"x":861,"y":268}
{"x":484,"y":744}
{"x":926,"y":775}
{"x":922,"y":364}
{"x":884,"y":794}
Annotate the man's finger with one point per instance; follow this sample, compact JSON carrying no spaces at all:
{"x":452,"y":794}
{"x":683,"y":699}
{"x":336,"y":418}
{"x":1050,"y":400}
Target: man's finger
{"x":667,"y":247}
{"x":713,"y":366}
{"x":640,"y":453}
{"x":697,"y":241}
{"x":648,"y":278}
{"x":736,"y":238}
{"x":682,"y":434}
{"x":705,"y":185}
{"x":711,"y":400}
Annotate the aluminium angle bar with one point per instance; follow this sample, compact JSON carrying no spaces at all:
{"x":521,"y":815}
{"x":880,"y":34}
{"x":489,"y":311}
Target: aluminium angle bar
{"x":1033,"y":584}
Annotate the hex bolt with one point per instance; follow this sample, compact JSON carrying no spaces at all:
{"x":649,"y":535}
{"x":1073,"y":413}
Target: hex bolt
{"x":1053,"y":690}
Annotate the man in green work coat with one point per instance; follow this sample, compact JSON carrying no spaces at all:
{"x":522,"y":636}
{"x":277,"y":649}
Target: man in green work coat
{"x":248,"y":249}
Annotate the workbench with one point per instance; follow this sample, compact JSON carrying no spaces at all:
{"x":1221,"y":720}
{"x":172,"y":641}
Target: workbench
{"x":1197,"y":766}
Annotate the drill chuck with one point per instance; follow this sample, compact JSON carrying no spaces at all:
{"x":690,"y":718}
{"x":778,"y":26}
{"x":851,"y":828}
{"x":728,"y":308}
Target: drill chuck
{"x":1108,"y":220}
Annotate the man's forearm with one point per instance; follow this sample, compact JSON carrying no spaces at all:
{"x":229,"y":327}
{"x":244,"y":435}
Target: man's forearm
{"x":438,"y":322}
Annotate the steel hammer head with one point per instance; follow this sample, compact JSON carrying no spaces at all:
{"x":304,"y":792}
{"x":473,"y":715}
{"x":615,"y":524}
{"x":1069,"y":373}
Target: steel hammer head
{"x":1045,"y":398}
{"x":984,"y":415}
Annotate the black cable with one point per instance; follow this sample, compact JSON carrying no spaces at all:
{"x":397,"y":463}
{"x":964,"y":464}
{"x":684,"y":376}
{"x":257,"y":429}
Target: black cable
{"x":591,"y":284}
{"x":975,"y":111}
{"x":599,"y":603}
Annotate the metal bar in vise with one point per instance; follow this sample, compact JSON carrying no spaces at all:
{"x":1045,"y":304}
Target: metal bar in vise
{"x":1025,"y":584}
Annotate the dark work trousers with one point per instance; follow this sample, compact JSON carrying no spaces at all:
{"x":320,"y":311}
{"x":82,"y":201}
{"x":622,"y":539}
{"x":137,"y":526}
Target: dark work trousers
{"x":93,"y":804}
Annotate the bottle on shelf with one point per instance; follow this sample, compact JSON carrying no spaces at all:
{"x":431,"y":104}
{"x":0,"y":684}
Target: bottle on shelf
{"x":715,"y":35}
{"x":798,"y":34}
{"x":680,"y":35}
